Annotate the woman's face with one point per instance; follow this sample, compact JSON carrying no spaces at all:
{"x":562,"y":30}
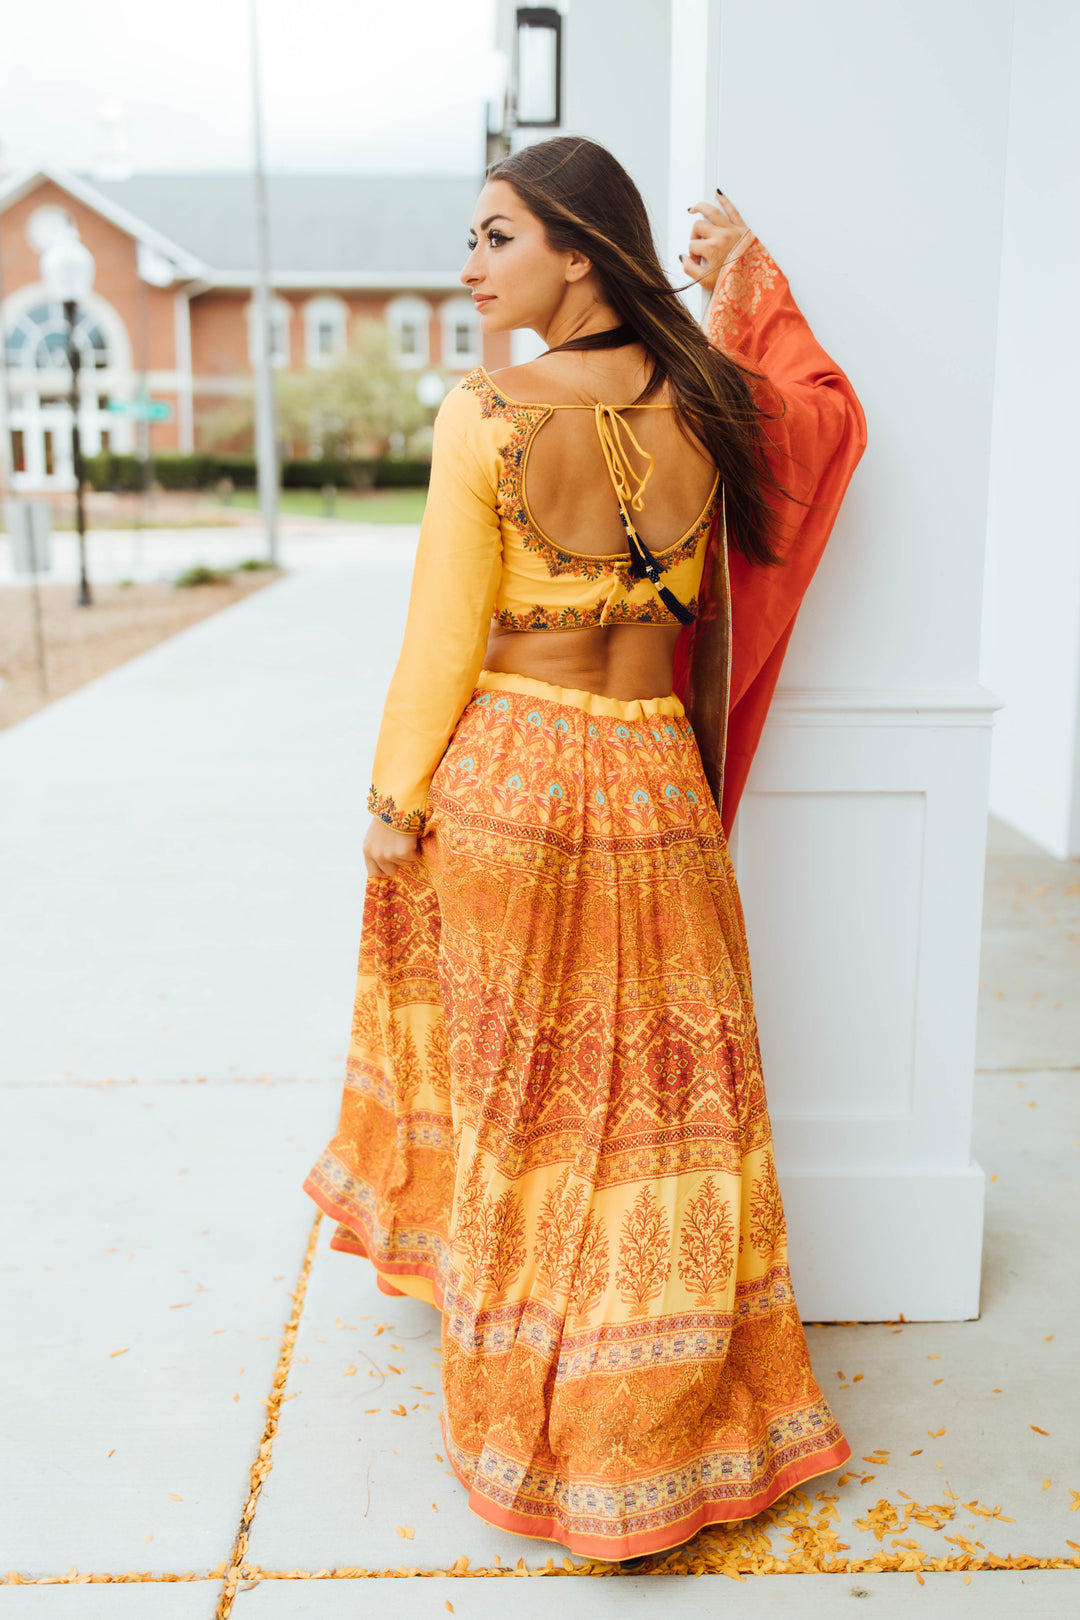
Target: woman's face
{"x":515,"y":278}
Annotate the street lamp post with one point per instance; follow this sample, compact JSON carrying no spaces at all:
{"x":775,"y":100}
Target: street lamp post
{"x":67,"y":269}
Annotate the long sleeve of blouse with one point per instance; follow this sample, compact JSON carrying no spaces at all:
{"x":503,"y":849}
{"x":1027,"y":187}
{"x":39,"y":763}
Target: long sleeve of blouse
{"x":455,"y":580}
{"x":816,"y":434}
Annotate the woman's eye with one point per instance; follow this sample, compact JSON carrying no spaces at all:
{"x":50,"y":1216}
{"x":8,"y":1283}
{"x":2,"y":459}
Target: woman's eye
{"x":494,"y":237}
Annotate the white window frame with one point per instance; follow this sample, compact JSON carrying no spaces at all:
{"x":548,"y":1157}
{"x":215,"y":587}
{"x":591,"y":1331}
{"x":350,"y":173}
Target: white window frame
{"x":461,"y":312}
{"x":323,"y":311}
{"x":410,"y":312}
{"x":280,"y":333}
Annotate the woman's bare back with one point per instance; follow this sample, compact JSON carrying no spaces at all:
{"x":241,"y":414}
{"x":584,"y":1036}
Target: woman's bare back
{"x":571,"y":500}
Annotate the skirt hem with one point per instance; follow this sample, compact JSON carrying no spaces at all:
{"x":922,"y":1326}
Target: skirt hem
{"x":426,"y":1288}
{"x":655,"y":1541}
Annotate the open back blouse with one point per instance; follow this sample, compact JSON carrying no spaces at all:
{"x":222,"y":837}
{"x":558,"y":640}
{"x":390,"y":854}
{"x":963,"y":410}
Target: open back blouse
{"x":481,"y":555}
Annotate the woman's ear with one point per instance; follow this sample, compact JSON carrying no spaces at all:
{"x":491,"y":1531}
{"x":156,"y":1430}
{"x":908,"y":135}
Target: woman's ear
{"x":578,"y":265}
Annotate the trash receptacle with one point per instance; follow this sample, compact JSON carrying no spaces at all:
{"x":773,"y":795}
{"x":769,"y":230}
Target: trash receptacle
{"x":29,"y":528}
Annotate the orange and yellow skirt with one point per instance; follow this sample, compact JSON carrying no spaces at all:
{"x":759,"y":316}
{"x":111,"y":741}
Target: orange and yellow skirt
{"x":554,"y":1129}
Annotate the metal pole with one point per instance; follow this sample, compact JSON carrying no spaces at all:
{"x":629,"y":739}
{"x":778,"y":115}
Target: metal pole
{"x":142,"y":425}
{"x":7,"y":459}
{"x":83,"y":598}
{"x":7,"y":475}
{"x":266,"y":453}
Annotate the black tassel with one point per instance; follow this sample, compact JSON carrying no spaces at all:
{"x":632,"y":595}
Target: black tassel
{"x":643,"y":566}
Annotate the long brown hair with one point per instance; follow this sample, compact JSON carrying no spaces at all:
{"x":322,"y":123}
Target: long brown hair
{"x":585,"y":199}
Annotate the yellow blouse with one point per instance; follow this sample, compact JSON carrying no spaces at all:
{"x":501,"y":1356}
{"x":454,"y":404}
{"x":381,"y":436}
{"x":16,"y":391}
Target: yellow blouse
{"x":481,"y":556}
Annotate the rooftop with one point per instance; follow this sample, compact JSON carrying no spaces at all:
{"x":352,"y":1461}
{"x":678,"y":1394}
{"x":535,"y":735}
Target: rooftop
{"x":337,"y":222}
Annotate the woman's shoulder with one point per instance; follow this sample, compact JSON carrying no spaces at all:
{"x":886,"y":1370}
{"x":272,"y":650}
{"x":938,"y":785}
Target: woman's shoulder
{"x":579,"y":378}
{"x":471,"y":401}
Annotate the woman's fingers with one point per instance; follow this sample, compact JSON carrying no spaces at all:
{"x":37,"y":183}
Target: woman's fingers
{"x":696,"y":269}
{"x":733,"y":214}
{"x":381,"y":866}
{"x":385,"y":850}
{"x":711,"y":211}
{"x":722,"y":212}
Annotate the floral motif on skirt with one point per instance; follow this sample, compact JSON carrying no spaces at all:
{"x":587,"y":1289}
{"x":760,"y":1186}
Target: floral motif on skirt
{"x":554,"y":1127}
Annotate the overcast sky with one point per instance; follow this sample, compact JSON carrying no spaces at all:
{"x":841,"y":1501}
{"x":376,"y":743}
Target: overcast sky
{"x":379,"y":86}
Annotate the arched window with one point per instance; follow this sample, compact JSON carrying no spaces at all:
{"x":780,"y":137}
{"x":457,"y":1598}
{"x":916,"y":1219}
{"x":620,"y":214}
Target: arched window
{"x":407,"y":320}
{"x":325,"y":329}
{"x":280,"y":316}
{"x":463,"y":343}
{"x":37,"y":340}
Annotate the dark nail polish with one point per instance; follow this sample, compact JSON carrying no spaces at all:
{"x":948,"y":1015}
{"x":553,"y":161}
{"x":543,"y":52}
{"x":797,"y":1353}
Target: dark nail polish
{"x":719,"y":193}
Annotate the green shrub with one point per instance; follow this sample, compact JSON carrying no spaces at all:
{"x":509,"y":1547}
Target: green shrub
{"x":109,"y":471}
{"x":200,"y":574}
{"x":402,"y":472}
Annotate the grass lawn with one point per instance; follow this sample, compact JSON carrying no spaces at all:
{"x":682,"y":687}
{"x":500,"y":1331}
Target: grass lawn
{"x":377,"y":506}
{"x":192,"y":509}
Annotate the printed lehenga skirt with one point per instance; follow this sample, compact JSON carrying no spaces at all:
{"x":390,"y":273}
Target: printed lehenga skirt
{"x":554,"y":1129}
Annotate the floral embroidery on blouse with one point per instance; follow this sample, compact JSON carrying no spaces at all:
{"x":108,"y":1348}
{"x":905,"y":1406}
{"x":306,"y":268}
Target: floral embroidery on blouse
{"x":574,"y":618}
{"x":402,"y":821}
{"x":742,"y":284}
{"x":524,"y":421}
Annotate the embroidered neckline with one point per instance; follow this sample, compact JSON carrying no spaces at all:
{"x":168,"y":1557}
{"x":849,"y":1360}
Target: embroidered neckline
{"x":525,"y":419}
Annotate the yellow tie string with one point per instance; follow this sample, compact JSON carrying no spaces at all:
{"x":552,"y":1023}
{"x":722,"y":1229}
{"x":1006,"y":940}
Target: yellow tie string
{"x":629,"y":486}
{"x":611,"y":429}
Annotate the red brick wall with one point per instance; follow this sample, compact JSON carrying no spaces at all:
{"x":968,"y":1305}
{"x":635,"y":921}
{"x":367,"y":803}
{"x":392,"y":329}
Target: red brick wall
{"x":219,"y":328}
{"x":115,"y":280}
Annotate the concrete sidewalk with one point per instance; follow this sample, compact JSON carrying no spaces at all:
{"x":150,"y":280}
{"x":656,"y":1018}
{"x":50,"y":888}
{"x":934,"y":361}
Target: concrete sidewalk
{"x":126,"y":554}
{"x":184,"y":884}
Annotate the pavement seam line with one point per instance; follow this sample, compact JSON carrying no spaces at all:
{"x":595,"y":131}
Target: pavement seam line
{"x":883,"y":1564}
{"x":260,"y":1468}
{"x":700,"y":1564}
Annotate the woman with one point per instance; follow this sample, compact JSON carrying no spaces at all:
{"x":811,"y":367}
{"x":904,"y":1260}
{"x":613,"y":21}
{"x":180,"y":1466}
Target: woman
{"x":554,"y":1127}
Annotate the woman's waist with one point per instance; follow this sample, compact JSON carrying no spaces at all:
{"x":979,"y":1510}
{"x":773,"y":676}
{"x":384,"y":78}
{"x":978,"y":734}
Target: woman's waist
{"x":594,"y":703}
{"x":620,"y":663}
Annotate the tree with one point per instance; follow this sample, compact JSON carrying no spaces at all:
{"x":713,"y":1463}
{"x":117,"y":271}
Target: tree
{"x":351,"y":410}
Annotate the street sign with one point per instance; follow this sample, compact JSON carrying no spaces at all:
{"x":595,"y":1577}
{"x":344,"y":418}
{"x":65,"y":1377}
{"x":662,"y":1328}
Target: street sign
{"x":145,"y":410}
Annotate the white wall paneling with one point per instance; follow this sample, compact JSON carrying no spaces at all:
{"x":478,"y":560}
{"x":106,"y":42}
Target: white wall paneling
{"x":1032,"y":622}
{"x":859,"y":860}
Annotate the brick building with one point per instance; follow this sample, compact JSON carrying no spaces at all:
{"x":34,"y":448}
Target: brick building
{"x":350,"y":247}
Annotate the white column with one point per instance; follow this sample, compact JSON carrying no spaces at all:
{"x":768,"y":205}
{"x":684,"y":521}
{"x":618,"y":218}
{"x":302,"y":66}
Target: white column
{"x":1032,"y":621}
{"x":866,"y":145}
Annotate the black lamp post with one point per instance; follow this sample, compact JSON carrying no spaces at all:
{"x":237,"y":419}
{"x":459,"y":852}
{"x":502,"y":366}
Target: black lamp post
{"x":67,"y":268}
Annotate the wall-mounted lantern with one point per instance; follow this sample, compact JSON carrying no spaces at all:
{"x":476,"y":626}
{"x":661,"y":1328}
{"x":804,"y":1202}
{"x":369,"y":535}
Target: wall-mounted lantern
{"x":537,"y":67}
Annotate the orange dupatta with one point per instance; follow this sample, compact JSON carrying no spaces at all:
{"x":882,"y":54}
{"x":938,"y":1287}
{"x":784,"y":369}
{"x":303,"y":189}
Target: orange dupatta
{"x":727,"y":662}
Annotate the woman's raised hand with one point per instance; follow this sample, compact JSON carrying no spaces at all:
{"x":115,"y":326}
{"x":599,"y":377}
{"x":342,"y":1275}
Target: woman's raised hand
{"x":713,"y":239}
{"x":385,"y":849}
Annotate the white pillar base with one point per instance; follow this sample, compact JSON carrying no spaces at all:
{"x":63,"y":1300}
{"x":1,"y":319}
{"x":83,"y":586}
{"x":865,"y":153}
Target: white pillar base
{"x":885,"y":1245}
{"x":859,"y":853}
